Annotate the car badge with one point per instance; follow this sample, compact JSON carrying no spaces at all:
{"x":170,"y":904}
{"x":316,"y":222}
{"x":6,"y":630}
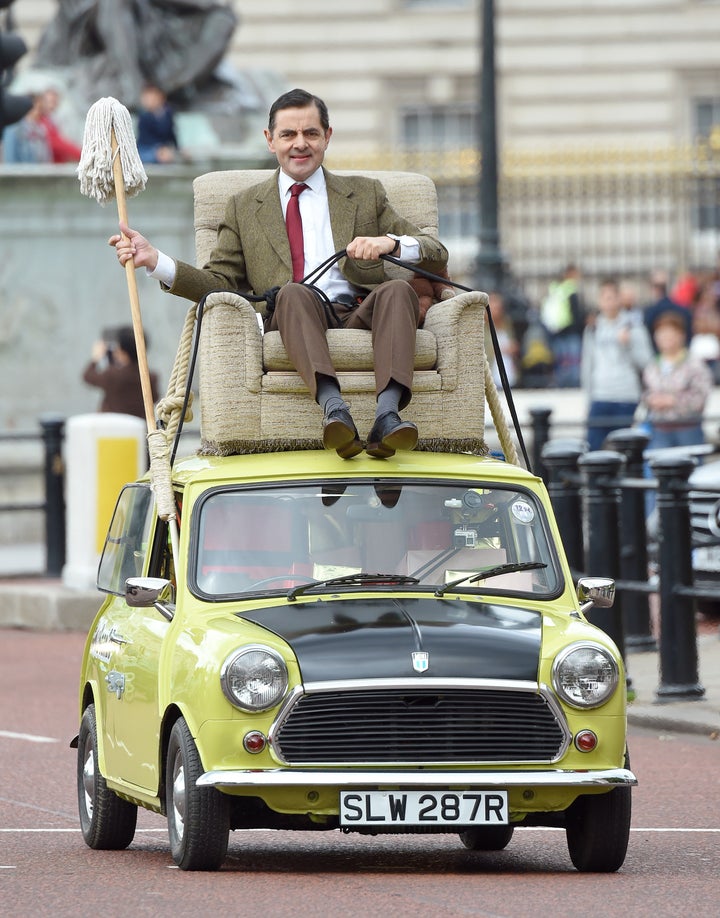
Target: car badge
{"x":420,"y":661}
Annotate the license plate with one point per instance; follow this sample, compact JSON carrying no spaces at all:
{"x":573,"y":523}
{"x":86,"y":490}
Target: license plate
{"x":421,"y":808}
{"x":707,"y":558}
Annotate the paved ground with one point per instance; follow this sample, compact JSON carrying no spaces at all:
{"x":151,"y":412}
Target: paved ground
{"x":30,"y":600}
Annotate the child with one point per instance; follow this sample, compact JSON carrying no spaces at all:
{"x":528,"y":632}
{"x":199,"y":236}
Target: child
{"x":157,"y":142}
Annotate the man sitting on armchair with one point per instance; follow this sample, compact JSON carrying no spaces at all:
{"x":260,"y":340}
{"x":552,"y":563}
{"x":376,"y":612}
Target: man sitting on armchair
{"x":282,"y":230}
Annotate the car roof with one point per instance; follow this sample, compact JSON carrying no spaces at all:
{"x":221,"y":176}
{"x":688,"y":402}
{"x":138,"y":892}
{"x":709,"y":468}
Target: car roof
{"x":314,"y":464}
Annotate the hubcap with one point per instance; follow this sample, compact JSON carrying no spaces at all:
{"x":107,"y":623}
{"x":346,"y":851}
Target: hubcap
{"x":89,"y":779}
{"x":178,"y":799}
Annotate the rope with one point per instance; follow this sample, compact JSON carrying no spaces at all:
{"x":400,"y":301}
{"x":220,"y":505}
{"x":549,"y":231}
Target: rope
{"x":170,"y":408}
{"x":95,"y":169}
{"x":498,"y":415}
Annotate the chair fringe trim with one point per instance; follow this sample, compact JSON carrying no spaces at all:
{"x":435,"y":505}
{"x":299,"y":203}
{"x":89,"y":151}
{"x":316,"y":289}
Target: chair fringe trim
{"x":472,"y":445}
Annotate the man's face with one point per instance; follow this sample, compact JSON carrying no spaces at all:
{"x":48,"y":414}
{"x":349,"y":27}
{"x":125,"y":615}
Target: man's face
{"x":298,"y":141}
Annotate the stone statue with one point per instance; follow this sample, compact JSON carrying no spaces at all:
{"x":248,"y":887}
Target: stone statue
{"x":113,"y":47}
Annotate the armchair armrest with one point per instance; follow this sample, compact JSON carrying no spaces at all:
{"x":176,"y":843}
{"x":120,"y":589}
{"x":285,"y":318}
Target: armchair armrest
{"x":459,"y":328}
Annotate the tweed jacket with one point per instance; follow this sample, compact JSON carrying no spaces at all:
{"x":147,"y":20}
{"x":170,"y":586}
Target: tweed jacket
{"x":252,"y":253}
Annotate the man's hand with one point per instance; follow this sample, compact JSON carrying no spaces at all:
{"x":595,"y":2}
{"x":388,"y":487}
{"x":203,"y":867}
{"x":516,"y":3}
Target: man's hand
{"x":370,"y":248}
{"x":131,"y":245}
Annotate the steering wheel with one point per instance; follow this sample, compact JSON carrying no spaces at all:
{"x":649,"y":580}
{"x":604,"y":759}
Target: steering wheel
{"x":300,"y":578}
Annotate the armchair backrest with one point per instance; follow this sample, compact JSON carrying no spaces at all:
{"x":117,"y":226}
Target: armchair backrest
{"x":411,"y":194}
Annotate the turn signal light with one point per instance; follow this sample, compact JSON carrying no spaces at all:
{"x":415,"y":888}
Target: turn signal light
{"x":585,"y":741}
{"x":254,"y":741}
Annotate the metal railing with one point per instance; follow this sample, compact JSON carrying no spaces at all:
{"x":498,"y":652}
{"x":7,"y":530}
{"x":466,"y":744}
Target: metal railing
{"x":599,"y":503}
{"x":52,"y":506}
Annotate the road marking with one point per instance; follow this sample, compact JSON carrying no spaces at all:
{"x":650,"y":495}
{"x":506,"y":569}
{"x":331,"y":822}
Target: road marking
{"x":29,"y":737}
{"x":667,"y":831}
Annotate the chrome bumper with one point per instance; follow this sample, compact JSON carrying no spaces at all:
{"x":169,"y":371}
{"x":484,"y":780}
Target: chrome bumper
{"x":426,"y":779}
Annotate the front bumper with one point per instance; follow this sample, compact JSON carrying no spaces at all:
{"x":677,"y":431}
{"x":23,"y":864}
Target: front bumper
{"x":296,"y":777}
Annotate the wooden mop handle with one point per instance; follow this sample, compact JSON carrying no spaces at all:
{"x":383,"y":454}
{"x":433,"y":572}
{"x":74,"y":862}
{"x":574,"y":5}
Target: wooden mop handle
{"x":133,"y":291}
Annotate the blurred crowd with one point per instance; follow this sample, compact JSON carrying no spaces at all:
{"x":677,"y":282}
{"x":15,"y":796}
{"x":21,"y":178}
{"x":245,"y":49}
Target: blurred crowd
{"x":41,"y":137}
{"x":645,"y":358}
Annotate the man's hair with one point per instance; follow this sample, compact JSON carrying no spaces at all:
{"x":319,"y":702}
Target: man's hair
{"x":298,"y":98}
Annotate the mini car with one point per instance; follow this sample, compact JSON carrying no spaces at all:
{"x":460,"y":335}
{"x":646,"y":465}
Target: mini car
{"x":364,"y":646}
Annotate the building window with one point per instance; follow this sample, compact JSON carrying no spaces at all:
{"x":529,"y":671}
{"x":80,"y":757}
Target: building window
{"x":438,"y":127}
{"x":706,"y":187}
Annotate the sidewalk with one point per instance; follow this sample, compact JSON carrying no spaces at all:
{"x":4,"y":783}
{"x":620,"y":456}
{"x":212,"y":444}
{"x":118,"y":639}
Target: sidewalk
{"x":30,"y":600}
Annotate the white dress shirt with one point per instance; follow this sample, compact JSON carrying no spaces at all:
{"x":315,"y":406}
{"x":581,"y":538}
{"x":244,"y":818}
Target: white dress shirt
{"x":317,"y":238}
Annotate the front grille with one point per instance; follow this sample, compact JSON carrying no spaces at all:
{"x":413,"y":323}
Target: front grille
{"x":419,"y":726}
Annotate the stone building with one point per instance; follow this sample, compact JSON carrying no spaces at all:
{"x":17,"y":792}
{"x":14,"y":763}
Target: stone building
{"x":606,"y":110}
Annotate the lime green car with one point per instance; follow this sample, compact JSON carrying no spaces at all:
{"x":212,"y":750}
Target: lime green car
{"x":367,"y":646}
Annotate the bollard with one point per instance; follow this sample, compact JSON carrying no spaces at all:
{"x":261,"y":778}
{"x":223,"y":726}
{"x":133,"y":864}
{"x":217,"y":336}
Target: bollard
{"x":601,"y":500}
{"x":631,"y":444}
{"x":560,"y":459}
{"x":540,"y":419}
{"x":52,"y":434}
{"x":678,"y":641}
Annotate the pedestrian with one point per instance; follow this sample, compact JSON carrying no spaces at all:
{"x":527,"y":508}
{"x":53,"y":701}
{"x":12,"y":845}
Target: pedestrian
{"x":676,"y":387}
{"x":615,"y":351}
{"x":276,"y":233}
{"x":26,"y":141}
{"x":563,"y":315}
{"x":156,"y":136}
{"x":662,"y":302}
{"x":114,"y":369}
{"x":62,"y":148}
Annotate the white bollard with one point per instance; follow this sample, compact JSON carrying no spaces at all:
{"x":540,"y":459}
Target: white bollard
{"x":103,"y":452}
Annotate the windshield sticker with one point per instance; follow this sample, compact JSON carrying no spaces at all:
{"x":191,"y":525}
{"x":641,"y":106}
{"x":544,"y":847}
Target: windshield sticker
{"x":522,"y":511}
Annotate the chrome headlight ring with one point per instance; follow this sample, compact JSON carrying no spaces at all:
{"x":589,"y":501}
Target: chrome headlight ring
{"x":254,"y":678}
{"x":585,"y":675}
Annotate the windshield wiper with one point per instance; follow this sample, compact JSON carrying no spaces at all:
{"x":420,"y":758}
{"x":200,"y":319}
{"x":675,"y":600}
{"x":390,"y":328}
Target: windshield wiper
{"x":511,"y":567}
{"x":350,"y":579}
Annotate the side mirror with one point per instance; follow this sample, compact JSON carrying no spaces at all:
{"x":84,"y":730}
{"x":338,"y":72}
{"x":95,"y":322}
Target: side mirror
{"x":147,"y":592}
{"x":596,"y":591}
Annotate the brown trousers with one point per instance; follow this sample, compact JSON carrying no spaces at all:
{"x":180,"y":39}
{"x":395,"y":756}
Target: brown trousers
{"x":390,"y":312}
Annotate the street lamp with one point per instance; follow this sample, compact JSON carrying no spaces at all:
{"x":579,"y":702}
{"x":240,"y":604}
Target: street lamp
{"x":489,"y":264}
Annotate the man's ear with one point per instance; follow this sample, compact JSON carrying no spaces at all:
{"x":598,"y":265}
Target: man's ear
{"x":268,"y":137}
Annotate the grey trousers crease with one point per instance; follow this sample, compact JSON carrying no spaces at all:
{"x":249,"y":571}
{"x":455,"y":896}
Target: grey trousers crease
{"x":390,"y":312}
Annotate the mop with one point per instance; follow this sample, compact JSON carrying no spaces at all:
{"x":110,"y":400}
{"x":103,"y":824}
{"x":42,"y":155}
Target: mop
{"x":110,"y":167}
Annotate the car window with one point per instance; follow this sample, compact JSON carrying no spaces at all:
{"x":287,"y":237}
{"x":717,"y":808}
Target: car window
{"x":274,"y":538}
{"x":127,"y":539}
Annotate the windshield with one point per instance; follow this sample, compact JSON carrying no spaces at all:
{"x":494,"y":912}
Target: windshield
{"x":276,"y":539}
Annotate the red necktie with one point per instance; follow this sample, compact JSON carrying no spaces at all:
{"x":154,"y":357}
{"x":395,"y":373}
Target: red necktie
{"x":293,"y":222}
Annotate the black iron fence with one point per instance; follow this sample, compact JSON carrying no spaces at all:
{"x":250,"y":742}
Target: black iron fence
{"x":52,"y":505}
{"x":599,"y":503}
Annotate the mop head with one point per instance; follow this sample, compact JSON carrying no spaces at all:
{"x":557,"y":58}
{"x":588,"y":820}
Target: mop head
{"x":95,"y":169}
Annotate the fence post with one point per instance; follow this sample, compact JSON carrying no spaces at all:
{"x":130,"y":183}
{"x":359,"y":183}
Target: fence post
{"x":601,"y":500}
{"x":560,"y":458}
{"x":631,"y":444}
{"x":52,"y":434}
{"x":679,"y":679}
{"x":540,"y":419}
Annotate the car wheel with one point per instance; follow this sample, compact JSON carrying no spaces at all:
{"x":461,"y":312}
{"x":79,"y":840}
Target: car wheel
{"x":487,"y":838}
{"x":198,"y":817}
{"x":597,"y":828}
{"x":107,"y":821}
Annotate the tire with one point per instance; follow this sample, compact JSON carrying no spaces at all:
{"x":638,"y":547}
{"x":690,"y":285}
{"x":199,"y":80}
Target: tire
{"x":198,"y":817}
{"x":597,"y":828}
{"x":487,"y":838}
{"x":107,"y":821}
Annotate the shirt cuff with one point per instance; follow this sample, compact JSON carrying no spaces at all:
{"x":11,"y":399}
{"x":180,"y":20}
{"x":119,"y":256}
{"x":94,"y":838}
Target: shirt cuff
{"x":165,"y":270}
{"x":409,"y":249}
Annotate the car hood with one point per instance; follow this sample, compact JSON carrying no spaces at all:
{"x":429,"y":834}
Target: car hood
{"x":381,"y":638}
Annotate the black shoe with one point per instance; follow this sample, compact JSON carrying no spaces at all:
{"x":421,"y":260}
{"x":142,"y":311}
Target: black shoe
{"x":340,"y":433}
{"x":390,"y":433}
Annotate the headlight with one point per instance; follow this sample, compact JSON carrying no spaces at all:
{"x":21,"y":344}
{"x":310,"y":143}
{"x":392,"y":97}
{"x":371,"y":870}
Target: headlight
{"x":254,"y":678}
{"x":585,"y":675}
